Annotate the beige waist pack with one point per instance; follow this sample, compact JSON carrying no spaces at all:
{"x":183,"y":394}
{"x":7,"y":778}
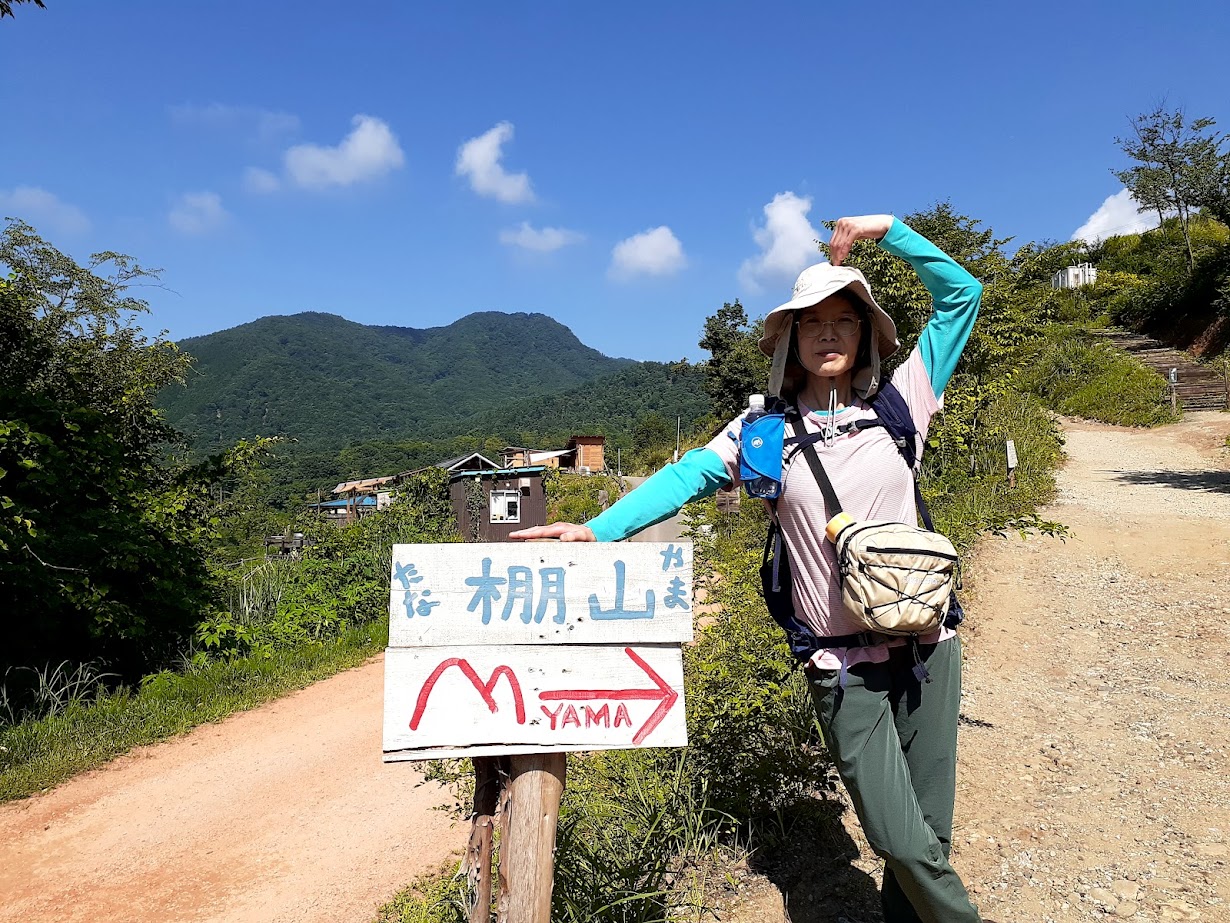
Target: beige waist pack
{"x":896,"y":579}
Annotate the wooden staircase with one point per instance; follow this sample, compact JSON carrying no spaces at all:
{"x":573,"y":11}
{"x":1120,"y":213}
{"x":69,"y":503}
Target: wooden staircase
{"x":1200,"y":387}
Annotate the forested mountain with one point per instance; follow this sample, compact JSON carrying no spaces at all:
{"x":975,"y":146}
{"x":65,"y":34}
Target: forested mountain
{"x":326,"y":381}
{"x":613,"y":405}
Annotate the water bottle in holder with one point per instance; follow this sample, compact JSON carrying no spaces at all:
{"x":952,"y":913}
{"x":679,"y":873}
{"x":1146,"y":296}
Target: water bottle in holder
{"x":760,"y":449}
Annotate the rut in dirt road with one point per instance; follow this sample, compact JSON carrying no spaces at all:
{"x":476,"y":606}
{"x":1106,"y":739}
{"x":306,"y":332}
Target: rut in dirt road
{"x":283,"y":813}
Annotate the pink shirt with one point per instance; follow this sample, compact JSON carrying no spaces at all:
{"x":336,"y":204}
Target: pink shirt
{"x":871,"y":480}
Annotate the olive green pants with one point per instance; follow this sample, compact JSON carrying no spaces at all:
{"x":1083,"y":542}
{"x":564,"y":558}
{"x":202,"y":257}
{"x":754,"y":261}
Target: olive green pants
{"x":894,"y":742}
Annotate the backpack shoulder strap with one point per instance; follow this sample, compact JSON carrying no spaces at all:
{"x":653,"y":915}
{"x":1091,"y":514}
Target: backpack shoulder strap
{"x":831,"y":503}
{"x":893,"y":413}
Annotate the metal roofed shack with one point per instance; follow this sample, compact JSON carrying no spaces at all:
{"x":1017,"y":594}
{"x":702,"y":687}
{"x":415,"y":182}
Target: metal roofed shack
{"x":582,"y":455}
{"x":490,"y":504}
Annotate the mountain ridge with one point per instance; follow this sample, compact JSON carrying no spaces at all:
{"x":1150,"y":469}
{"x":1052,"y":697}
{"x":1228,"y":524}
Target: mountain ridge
{"x":327,"y":381}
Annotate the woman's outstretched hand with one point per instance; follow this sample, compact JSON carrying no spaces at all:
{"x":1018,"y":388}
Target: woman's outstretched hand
{"x":848,"y":230}
{"x":564,"y":531}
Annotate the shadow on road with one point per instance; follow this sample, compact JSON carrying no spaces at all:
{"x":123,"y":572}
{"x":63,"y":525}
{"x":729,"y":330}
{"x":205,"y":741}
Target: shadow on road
{"x":1184,"y":480}
{"x":813,"y":867}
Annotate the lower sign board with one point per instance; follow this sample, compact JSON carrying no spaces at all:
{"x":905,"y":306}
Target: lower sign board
{"x":478,"y":700}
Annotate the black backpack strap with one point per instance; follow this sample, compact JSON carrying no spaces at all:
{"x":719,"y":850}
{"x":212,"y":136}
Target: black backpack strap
{"x":772,"y":556}
{"x":894,"y":415}
{"x":831,"y":503}
{"x":922,"y":505}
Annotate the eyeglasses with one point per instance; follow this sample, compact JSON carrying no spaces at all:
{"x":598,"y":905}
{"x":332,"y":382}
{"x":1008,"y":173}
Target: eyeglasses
{"x":844,"y":326}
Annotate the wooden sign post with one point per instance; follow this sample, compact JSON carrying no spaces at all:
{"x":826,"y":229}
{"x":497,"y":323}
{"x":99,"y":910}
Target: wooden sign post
{"x":512,"y":650}
{"x":1010,"y":447}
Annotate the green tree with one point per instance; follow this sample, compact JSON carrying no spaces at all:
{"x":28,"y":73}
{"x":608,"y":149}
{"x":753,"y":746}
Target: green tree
{"x":736,"y":367}
{"x":1181,"y":166}
{"x":102,"y":532}
{"x":653,"y":431}
{"x":6,"y":6}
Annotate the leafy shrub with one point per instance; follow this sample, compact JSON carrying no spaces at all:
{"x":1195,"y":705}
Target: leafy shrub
{"x":967,"y":500}
{"x":340,"y":580}
{"x":1167,"y":300}
{"x":575,"y":497}
{"x":103,"y":533}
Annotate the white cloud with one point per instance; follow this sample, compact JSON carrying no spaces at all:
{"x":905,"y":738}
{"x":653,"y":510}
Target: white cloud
{"x":263,"y":125}
{"x":43,"y":210}
{"x":260,"y":181}
{"x":1116,"y":215}
{"x":368,"y":152}
{"x":787,"y":243}
{"x":479,"y":159}
{"x":656,"y":252}
{"x":197,"y":213}
{"x":543,"y":240}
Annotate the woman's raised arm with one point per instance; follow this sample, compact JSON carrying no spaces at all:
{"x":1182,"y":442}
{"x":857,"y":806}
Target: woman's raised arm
{"x":955,"y":294}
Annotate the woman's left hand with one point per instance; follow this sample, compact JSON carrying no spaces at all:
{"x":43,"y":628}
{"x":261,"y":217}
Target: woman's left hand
{"x":848,"y":230}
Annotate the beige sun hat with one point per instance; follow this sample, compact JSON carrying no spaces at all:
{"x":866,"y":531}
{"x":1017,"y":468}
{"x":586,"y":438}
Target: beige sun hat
{"x":814,"y":284}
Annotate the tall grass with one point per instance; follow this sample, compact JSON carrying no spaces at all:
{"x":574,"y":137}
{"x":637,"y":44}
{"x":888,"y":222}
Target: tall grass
{"x":634,"y":844}
{"x":55,"y":688}
{"x":1079,"y":376}
{"x":978,"y":497}
{"x":36,"y":754}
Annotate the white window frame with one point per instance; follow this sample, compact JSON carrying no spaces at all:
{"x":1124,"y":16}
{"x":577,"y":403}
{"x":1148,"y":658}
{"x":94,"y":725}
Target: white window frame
{"x":500,"y":504}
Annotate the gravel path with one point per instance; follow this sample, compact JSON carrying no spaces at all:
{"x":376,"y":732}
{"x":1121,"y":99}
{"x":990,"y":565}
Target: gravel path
{"x":1094,"y":778}
{"x":1095,"y":766}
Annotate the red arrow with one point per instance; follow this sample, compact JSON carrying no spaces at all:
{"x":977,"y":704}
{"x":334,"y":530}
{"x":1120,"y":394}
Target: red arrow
{"x":664,"y":693}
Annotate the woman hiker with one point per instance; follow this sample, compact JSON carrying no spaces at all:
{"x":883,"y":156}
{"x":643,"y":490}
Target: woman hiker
{"x":893,"y":738}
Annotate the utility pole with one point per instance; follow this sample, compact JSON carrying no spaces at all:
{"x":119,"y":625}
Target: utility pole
{"x":678,"y":434}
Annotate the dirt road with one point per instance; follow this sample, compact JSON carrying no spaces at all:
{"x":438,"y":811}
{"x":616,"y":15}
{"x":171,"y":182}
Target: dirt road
{"x":284,"y":813}
{"x":668,"y":530}
{"x":1095,"y":765}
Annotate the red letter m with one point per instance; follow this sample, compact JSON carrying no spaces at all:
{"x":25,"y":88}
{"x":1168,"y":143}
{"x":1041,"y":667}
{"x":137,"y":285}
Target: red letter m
{"x":484,"y":689}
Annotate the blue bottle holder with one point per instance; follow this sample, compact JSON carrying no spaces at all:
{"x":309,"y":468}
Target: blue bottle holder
{"x":760,"y":455}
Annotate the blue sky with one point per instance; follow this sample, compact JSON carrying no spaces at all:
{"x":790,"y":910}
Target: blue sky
{"x":607,"y":164}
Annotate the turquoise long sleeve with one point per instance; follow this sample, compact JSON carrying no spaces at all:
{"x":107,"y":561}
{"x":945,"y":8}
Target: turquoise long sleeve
{"x":700,"y":473}
{"x":956,"y":296}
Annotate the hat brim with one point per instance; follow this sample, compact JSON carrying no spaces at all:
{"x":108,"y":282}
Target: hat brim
{"x":779,"y":319}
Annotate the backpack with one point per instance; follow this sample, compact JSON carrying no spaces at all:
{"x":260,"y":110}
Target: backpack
{"x":893,"y":414}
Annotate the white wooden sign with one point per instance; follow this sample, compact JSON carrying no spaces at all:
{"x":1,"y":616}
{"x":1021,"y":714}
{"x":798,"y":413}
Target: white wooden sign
{"x":530,"y":648}
{"x":475,"y":701}
{"x":1011,"y":447}
{"x":540,"y":593}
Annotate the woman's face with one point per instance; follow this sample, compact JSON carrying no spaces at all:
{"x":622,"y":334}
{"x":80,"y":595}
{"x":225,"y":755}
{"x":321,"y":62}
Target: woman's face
{"x":828,"y":336}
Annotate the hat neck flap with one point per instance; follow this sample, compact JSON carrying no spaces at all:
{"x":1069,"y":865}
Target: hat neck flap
{"x":781,"y":350}
{"x":866,"y":381}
